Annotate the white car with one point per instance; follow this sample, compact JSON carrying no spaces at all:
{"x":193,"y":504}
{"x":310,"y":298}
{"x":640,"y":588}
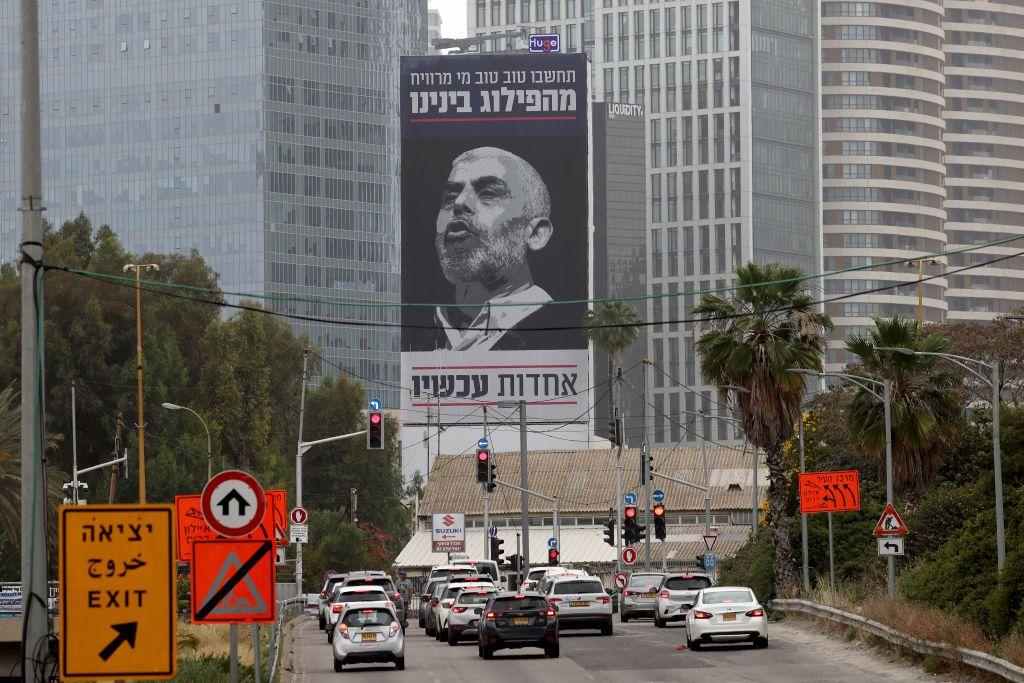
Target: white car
{"x":465,"y":614}
{"x":726,"y":614}
{"x":581,"y":602}
{"x":352,"y":596}
{"x":369,"y":634}
{"x":445,"y":570}
{"x":533,"y":579}
{"x":444,"y":605}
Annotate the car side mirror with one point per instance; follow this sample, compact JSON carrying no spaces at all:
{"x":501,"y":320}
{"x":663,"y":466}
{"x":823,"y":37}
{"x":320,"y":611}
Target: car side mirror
{"x":609,"y":591}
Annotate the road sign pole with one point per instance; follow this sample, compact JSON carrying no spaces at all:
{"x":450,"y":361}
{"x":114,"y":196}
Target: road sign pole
{"x":256,"y":653}
{"x":803,"y":516}
{"x":234,"y":653}
{"x":887,"y":388}
{"x":831,"y":561}
{"x":707,"y":477}
{"x":618,"y":506}
{"x":298,"y":469}
{"x":487,"y":499}
{"x":647,"y":478}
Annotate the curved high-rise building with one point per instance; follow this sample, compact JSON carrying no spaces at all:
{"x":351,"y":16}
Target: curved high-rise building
{"x":882,"y":159}
{"x":984,"y":46}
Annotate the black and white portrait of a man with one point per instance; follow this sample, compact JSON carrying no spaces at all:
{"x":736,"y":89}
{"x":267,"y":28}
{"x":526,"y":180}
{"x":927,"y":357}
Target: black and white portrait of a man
{"x":494,"y":219}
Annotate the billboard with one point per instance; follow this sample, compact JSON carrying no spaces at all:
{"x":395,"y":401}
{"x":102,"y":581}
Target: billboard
{"x":496,"y":230}
{"x":448,"y":532}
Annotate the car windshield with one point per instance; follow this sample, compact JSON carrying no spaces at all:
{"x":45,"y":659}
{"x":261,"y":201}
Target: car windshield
{"x":486,"y":568}
{"x":687,"y":583}
{"x":432,"y":586}
{"x":518,"y":604}
{"x":474,"y":597}
{"x":367,"y":617}
{"x":644,"y":580}
{"x":566,"y":587}
{"x":363,"y":596}
{"x":536,"y":575}
{"x":726,"y":597}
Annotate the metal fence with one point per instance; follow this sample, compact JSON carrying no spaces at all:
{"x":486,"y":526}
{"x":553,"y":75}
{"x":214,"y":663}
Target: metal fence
{"x":286,"y":609}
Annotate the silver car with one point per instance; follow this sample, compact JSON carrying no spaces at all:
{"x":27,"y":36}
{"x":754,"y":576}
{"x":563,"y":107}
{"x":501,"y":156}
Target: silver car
{"x":639,"y":594}
{"x":369,"y":634}
{"x":466,"y":612}
{"x":581,"y":603}
{"x":676,"y":595}
{"x":345,"y":597}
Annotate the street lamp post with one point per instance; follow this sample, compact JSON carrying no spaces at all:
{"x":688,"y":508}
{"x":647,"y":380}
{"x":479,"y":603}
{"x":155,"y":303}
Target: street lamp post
{"x":866,"y":384}
{"x":209,"y":449}
{"x":997,"y":465}
{"x":138,"y":268}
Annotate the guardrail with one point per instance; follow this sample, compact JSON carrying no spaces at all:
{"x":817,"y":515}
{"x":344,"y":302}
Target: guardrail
{"x":974,"y":658}
{"x":283,"y":607}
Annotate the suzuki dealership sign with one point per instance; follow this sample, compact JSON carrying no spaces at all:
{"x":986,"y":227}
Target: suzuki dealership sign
{"x":448,"y":533}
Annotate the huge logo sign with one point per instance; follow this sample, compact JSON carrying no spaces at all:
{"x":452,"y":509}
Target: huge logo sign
{"x":448,"y":533}
{"x":496,"y":233}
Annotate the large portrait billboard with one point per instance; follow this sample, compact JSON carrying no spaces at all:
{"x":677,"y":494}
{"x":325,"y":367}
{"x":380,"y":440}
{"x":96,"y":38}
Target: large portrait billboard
{"x":496,"y":229}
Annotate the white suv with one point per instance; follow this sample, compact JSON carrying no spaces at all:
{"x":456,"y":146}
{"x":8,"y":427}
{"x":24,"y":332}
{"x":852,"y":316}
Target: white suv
{"x":444,"y":605}
{"x":581,"y":602}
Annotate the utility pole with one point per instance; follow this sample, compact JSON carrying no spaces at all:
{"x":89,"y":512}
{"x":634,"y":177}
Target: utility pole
{"x":524,"y":484}
{"x":620,"y":431}
{"x":487,"y":499}
{"x":803,"y":517}
{"x":645,"y":449}
{"x":33,"y":447}
{"x":298,"y":468}
{"x":138,"y":268}
{"x":117,"y":449}
{"x":353,"y":503}
{"x":74,"y":448}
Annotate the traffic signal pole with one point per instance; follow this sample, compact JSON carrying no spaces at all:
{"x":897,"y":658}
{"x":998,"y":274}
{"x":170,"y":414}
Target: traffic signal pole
{"x":647,"y":477}
{"x":487,"y":501}
{"x":618,"y":504}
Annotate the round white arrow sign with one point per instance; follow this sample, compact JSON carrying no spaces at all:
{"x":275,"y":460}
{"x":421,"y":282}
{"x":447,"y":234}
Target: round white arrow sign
{"x":233,"y":503}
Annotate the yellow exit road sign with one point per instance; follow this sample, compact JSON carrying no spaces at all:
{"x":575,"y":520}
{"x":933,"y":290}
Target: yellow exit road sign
{"x":117,"y":592}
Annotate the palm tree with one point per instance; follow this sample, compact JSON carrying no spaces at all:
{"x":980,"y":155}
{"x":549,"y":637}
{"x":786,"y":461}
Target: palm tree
{"x":751,"y":337}
{"x":613,"y":328}
{"x":925,"y":407}
{"x":10,"y":465}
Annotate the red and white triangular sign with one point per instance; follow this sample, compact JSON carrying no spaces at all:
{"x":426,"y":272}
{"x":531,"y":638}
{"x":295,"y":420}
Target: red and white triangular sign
{"x":890,"y":523}
{"x":709,"y":541}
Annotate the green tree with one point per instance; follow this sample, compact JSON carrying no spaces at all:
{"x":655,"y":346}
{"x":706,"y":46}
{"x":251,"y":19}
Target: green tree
{"x":925,"y":407}
{"x":613,"y":328}
{"x":751,"y":337}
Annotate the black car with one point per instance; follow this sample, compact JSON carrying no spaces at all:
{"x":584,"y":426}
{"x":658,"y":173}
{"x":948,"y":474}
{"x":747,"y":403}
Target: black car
{"x":514,"y":620}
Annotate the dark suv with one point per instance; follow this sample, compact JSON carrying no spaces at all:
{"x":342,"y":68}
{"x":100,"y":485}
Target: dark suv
{"x":514,"y":620}
{"x":376,"y":578}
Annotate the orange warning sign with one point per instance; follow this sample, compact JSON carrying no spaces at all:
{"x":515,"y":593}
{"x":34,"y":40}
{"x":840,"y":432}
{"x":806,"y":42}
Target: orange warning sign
{"x":890,"y":523}
{"x":192,"y":525}
{"x":233,"y":582}
{"x":830,"y":491}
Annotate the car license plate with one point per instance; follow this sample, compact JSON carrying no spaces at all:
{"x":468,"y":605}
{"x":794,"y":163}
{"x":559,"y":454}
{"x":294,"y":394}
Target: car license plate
{"x":520,"y":621}
{"x":367,"y":637}
{"x":729,"y":616}
{"x":579,"y":603}
{"x":647,"y":595}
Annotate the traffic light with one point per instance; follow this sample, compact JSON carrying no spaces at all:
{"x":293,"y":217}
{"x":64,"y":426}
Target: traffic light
{"x":375,"y":431}
{"x":660,"y":530}
{"x":609,"y":530}
{"x":615,"y":429}
{"x":630,"y":530}
{"x":496,"y":550}
{"x":552,"y":557}
{"x":492,"y":474}
{"x":483,"y":465}
{"x":700,"y":561}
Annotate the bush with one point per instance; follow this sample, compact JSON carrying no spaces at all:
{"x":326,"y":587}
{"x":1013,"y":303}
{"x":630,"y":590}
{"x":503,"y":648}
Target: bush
{"x":210,"y":669}
{"x":941,"y":513}
{"x":752,"y":566}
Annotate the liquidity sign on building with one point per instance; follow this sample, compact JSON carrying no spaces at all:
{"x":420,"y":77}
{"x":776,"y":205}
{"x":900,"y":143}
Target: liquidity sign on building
{"x":496,"y":231}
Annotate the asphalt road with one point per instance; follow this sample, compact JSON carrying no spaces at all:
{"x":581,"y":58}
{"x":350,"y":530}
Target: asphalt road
{"x":637,"y":652}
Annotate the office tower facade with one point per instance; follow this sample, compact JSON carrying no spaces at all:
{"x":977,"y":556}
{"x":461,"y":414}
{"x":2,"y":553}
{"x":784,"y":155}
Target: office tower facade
{"x":433,"y":29}
{"x":730,"y":96}
{"x":984,"y":117}
{"x":262,"y":134}
{"x":882,"y":160}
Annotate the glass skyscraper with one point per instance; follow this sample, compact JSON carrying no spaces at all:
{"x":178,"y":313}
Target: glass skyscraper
{"x":262,"y":134}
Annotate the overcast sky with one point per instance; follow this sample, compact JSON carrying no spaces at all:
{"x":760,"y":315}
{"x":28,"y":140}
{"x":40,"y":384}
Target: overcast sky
{"x":453,"y":17}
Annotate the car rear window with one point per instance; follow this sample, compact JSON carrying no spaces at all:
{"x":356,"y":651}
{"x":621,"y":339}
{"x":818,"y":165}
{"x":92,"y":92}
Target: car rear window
{"x":725,"y":597}
{"x":363,"y":596}
{"x":644,"y":580}
{"x":566,"y":587}
{"x":367,"y":617}
{"x":536,"y":574}
{"x":687,"y":583}
{"x":519,"y":604}
{"x":452,"y":592}
{"x":382,"y":581}
{"x":472,"y":597}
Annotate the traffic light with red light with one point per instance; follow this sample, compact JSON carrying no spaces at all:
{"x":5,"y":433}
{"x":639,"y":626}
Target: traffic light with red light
{"x":483,"y":465}
{"x":552,"y":557}
{"x":660,"y":528}
{"x":375,"y":431}
{"x":630,"y":533}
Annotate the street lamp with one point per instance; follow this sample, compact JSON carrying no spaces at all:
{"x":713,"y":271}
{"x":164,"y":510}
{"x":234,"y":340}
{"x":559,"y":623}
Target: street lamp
{"x":993,"y":383}
{"x":138,"y":268}
{"x":866,"y":383}
{"x":921,"y":263}
{"x":209,"y":450}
